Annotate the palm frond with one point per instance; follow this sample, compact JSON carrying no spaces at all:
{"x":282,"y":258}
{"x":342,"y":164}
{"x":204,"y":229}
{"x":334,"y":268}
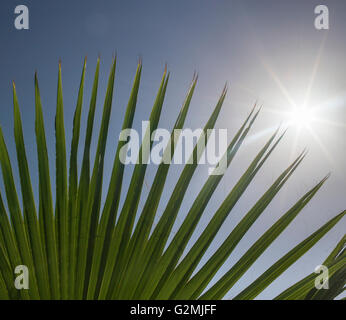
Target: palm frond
{"x":79,"y":248}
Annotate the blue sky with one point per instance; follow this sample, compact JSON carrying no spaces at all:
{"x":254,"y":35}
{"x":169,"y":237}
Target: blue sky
{"x":266,"y":50}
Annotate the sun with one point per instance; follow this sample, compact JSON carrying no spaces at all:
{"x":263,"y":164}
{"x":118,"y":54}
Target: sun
{"x":300,"y":117}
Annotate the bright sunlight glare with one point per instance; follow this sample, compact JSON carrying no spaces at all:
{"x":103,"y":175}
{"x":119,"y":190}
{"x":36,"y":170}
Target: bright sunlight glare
{"x":301,"y":117}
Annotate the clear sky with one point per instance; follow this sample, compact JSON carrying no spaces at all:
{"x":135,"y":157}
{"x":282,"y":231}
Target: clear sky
{"x":266,"y":50}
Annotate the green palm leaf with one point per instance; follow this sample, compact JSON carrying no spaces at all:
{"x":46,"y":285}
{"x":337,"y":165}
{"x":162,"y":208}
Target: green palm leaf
{"x":79,"y":248}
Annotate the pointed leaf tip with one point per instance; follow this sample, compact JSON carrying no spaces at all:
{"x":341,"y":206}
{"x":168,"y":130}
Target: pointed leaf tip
{"x":140,"y":60}
{"x":195,"y":76}
{"x":225,"y":89}
{"x":305,"y":151}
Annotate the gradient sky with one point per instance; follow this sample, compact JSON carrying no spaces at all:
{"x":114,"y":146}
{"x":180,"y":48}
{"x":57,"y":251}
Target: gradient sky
{"x":266,"y":50}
